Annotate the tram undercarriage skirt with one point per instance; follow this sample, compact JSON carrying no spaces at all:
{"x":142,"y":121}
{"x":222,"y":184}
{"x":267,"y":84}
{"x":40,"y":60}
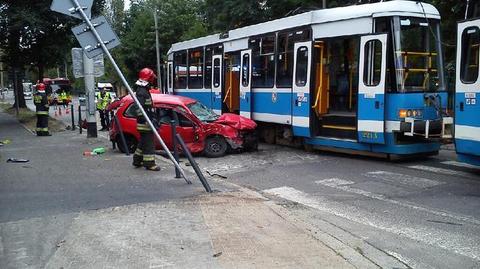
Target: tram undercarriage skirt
{"x":424,"y":128}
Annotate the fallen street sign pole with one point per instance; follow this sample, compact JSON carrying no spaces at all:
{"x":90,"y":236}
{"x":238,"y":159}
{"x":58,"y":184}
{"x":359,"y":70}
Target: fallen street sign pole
{"x":79,"y":9}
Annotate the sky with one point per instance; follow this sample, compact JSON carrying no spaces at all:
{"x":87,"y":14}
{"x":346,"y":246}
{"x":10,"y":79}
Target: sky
{"x":127,"y":4}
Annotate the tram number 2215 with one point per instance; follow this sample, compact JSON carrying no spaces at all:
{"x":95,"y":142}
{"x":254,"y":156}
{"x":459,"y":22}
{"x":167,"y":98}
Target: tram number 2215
{"x":369,"y":135}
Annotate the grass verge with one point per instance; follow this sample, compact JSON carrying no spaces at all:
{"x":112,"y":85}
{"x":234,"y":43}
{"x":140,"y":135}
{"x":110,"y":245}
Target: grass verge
{"x":29,"y":118}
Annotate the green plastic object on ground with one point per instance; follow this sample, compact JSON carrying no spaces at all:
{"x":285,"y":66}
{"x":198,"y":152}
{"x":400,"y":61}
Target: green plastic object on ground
{"x":99,"y":151}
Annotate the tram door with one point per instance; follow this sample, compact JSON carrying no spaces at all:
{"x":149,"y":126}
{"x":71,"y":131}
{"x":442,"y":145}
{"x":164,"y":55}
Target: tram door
{"x":170,"y":77}
{"x":371,"y":89}
{"x":217,"y":83}
{"x":246,"y":84}
{"x":467,"y":96}
{"x":302,"y":70}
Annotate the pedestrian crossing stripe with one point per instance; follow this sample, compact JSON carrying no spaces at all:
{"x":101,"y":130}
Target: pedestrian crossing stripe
{"x":439,"y":170}
{"x":403,"y":179}
{"x":459,"y":164}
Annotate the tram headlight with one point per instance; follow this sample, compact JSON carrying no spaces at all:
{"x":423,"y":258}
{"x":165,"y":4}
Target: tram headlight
{"x":409,"y":113}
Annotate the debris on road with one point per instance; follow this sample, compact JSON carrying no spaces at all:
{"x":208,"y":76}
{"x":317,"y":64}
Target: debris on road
{"x":216,"y":175}
{"x":59,"y":244}
{"x":99,"y":151}
{"x":15,"y":160}
{"x":5,"y":142}
{"x":96,"y":151}
{"x":217,"y":254}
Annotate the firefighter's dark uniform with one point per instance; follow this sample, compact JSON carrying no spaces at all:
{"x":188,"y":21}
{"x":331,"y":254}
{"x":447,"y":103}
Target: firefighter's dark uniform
{"x":41,"y":103}
{"x":145,"y":153}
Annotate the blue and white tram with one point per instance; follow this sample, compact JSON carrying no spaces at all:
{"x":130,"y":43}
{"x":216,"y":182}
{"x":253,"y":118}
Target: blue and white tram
{"x":365,"y":78}
{"x":467,"y":95}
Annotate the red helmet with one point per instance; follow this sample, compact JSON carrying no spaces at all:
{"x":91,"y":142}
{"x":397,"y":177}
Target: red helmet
{"x":41,"y":87}
{"x":147,"y":74}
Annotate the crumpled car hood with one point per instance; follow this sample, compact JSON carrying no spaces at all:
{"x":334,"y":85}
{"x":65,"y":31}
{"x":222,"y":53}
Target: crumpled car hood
{"x":236,"y":121}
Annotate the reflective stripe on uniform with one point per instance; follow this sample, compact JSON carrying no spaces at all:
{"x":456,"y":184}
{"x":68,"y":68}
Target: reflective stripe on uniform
{"x":143,"y":127}
{"x":41,"y":129}
{"x":42,"y":112}
{"x":138,"y":152}
{"x":148,"y":158}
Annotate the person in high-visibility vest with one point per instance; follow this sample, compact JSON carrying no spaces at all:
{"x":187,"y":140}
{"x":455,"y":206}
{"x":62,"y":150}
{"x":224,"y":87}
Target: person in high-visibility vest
{"x":64,"y":98}
{"x":41,"y":103}
{"x":145,"y":153}
{"x":103,"y":100}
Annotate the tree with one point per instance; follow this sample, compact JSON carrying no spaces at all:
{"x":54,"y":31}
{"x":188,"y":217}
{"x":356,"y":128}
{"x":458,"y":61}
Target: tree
{"x":178,"y":20}
{"x":223,"y":15}
{"x":34,"y":37}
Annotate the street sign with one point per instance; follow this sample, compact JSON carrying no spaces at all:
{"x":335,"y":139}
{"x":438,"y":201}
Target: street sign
{"x":77,"y":64}
{"x":67,"y":7}
{"x":89,"y":42}
{"x":98,"y":66}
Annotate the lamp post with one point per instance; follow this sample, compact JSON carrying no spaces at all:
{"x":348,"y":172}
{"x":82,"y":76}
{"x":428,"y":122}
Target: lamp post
{"x":157,"y":45}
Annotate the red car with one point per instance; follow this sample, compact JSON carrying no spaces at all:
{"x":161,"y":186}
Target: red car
{"x":201,"y":129}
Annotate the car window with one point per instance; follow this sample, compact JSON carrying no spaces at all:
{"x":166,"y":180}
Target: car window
{"x":165,"y":116}
{"x":131,"y":111}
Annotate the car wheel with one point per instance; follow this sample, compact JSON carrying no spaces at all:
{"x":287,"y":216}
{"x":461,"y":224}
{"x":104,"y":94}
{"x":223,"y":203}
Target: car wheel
{"x":215,"y":147}
{"x":131,"y":144}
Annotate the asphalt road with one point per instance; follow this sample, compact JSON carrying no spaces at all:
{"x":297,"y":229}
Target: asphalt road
{"x":421,"y":213}
{"x":424,"y":213}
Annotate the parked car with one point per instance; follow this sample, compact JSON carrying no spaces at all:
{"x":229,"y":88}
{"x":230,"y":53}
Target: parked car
{"x":27,"y":90}
{"x":202,"y":130}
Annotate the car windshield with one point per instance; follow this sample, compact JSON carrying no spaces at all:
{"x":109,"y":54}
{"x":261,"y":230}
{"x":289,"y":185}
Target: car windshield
{"x":202,"y":112}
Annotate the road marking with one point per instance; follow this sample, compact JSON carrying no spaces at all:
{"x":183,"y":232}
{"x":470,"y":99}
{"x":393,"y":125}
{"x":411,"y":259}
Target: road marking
{"x":460,"y":244}
{"x":411,"y":263}
{"x":438,"y":170}
{"x":459,"y":164}
{"x":341,"y":184}
{"x":404,"y":179}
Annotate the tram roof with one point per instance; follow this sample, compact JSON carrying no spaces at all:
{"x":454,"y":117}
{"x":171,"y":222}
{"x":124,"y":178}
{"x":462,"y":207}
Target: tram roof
{"x":382,"y":9}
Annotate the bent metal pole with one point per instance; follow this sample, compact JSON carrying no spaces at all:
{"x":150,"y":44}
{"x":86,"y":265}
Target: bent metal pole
{"x":78,"y":8}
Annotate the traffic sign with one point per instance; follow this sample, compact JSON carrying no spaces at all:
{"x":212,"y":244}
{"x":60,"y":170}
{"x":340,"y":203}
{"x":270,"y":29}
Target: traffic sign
{"x":89,"y":42}
{"x":67,"y":7}
{"x":77,"y":64}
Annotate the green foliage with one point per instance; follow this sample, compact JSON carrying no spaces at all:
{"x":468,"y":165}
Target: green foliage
{"x":177,"y":19}
{"x":223,"y":15}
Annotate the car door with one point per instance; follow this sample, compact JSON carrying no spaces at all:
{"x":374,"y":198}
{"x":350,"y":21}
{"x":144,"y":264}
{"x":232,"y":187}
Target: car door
{"x":186,"y":127}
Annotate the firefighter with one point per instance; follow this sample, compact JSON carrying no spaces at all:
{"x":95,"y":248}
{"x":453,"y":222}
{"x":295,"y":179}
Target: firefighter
{"x":41,"y":104}
{"x":103,"y":100}
{"x":145,"y":153}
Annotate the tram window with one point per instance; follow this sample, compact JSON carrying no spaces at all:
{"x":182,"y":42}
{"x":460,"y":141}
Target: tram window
{"x":246,"y":70}
{"x":216,"y":73}
{"x":285,"y":60}
{"x":263,"y":61}
{"x":170,"y":66}
{"x":469,"y":56}
{"x":302,"y":67}
{"x":209,"y":52}
{"x":180,"y":59}
{"x":195,"y":69}
{"x":302,"y":35}
{"x":372,"y":63}
{"x":208,"y":68}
